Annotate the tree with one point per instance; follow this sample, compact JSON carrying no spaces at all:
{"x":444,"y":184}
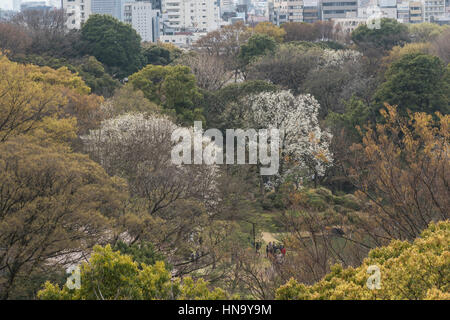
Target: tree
{"x":54,"y":206}
{"x":30,"y":93}
{"x":178,"y":201}
{"x":425,"y":31}
{"x":441,"y":46}
{"x":417,"y":82}
{"x":110,"y":275}
{"x":128,"y":100}
{"x":399,"y":51}
{"x":401,"y":172}
{"x":88,"y":68}
{"x":301,"y":31}
{"x":13,"y":38}
{"x":303,"y":144}
{"x":48,"y":32}
{"x":257,"y":45}
{"x":319,"y":231}
{"x":160,"y":53}
{"x":271,"y":30}
{"x":226,"y":103}
{"x":287,"y":67}
{"x":210,"y":71}
{"x":114,"y":43}
{"x":338,"y":76}
{"x":174,"y":87}
{"x":391,"y":33}
{"x":411,"y":271}
{"x":226,"y":43}
{"x":94,"y":75}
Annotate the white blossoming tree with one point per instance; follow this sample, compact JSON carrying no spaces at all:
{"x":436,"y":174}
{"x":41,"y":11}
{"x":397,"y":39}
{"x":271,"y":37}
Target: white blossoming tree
{"x":138,"y":147}
{"x":170,"y":205}
{"x":339,"y":57}
{"x":304,"y":146}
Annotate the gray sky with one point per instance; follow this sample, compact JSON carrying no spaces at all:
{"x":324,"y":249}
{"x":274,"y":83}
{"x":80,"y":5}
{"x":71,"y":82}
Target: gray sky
{"x":6,"y":4}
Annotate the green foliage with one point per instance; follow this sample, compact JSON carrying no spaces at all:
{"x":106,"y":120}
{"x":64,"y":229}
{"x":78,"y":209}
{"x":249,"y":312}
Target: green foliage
{"x":223,"y":108}
{"x":93,"y":73}
{"x":128,"y":100}
{"x":257,"y":45}
{"x":110,"y":275}
{"x":418,"y":82}
{"x":160,"y":54}
{"x":47,"y":195}
{"x":318,"y":45}
{"x":174,"y":87}
{"x":391,"y":33}
{"x":88,"y":68}
{"x":426,"y":31}
{"x":356,"y":114}
{"x":114,"y":43}
{"x":418,"y":270}
{"x":142,"y":252}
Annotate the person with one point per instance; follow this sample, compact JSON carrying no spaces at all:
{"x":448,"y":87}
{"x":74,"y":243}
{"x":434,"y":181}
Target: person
{"x":258,"y":246}
{"x":275,"y":248}
{"x":283,"y":251}
{"x":267,"y":250}
{"x":270,"y":248}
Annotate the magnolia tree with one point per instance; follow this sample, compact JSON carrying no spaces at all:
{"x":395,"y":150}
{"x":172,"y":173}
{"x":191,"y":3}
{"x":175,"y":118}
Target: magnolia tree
{"x":339,"y":57}
{"x":138,"y":148}
{"x":170,"y":205}
{"x":304,"y":146}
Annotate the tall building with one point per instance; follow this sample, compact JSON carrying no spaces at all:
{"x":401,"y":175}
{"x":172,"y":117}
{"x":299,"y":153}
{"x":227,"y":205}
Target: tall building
{"x":143,"y":18}
{"x":403,"y":12}
{"x":78,"y":11}
{"x":332,"y":9}
{"x":193,"y":15}
{"x":287,"y":11}
{"x":433,"y":9}
{"x":111,"y":7}
{"x":415,"y":12}
{"x":311,"y":11}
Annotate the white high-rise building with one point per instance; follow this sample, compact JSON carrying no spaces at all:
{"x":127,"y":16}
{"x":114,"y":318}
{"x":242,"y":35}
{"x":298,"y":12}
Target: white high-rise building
{"x":143,"y":18}
{"x":433,"y":9}
{"x":192,"y":15}
{"x":111,"y":7}
{"x":78,"y":11}
{"x":287,"y":11}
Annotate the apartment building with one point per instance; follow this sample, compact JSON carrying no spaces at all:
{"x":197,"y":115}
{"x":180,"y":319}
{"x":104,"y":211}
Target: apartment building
{"x":334,"y":9}
{"x":287,"y":11}
{"x":403,"y":12}
{"x":143,"y":18}
{"x":433,"y":10}
{"x":110,"y":7}
{"x":415,"y":12}
{"x":193,"y":15}
{"x":78,"y":11}
{"x":311,"y":11}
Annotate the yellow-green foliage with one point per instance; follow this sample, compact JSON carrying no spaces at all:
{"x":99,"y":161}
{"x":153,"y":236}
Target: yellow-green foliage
{"x":418,"y":270}
{"x":111,"y":275}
